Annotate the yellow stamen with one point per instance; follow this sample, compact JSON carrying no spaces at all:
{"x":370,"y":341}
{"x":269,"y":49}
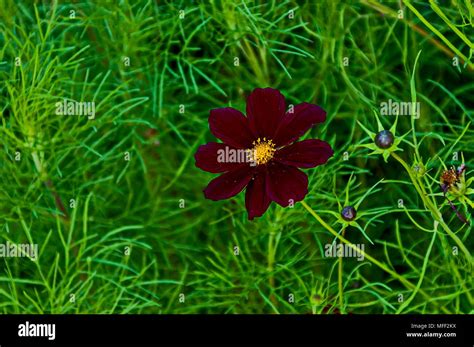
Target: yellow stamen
{"x":263,"y":151}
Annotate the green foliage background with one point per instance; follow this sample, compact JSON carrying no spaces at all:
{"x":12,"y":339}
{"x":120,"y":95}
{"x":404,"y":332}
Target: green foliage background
{"x":188,"y":58}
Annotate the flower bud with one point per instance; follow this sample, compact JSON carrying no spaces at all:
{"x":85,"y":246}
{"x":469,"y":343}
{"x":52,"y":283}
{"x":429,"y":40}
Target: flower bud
{"x":348,"y":213}
{"x":384,"y":139}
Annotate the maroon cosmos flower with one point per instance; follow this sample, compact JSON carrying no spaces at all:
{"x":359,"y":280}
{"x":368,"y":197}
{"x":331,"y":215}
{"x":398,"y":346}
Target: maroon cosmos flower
{"x":268,"y":139}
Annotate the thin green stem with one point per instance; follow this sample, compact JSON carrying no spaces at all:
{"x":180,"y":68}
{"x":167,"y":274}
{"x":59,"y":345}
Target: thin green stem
{"x":341,"y":288}
{"x":270,"y":263}
{"x":437,"y":32}
{"x":422,"y":275}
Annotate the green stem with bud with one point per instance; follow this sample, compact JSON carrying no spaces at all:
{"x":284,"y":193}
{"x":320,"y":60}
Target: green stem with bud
{"x":384,"y":267}
{"x":433,"y":209}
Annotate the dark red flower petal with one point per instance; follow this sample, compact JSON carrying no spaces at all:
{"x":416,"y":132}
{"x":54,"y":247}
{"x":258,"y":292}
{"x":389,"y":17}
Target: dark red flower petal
{"x":208,"y":158}
{"x":305,"y":154}
{"x":285,"y":184}
{"x":265,"y":111}
{"x":296,"y":124}
{"x":231,"y":126}
{"x":256,"y":197}
{"x":229,"y":184}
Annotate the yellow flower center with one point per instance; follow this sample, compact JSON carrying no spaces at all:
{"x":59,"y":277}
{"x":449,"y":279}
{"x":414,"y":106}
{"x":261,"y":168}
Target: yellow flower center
{"x":263,"y":151}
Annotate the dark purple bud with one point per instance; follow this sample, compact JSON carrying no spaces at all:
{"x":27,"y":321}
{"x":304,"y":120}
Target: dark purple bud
{"x":384,"y":139}
{"x":348,"y":213}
